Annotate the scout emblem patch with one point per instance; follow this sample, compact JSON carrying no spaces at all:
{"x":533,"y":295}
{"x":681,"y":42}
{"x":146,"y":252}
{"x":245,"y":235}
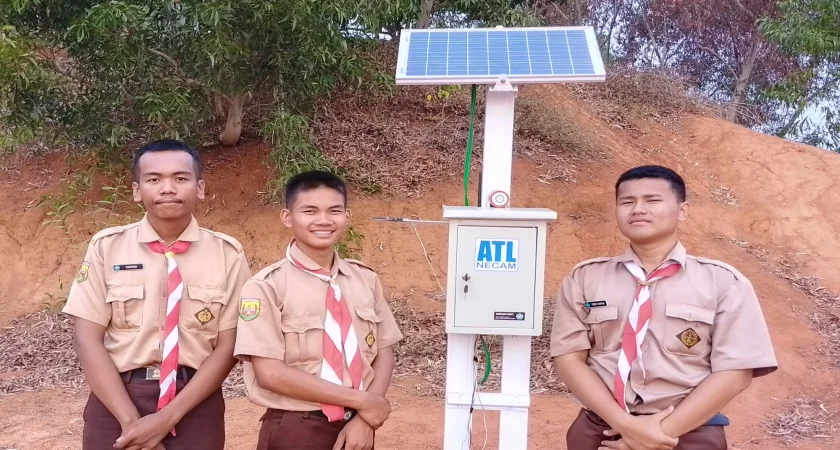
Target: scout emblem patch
{"x":83,"y":272}
{"x":689,"y":338}
{"x":370,"y":340}
{"x":204,"y":316}
{"x":249,"y":308}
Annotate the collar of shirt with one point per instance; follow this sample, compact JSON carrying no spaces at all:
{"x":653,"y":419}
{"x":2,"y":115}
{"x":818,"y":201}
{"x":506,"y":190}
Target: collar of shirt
{"x":339,"y":265}
{"x":148,"y":234}
{"x":678,"y":254}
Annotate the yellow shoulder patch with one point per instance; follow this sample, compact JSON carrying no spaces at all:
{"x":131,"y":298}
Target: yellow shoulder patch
{"x":714,"y":262}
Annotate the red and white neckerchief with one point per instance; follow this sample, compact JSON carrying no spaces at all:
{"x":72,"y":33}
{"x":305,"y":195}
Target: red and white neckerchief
{"x":174,"y":290}
{"x":341,"y":345}
{"x":637,"y":325}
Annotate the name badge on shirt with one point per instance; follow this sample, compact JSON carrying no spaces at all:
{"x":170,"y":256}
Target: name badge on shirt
{"x":120,"y":267}
{"x":595,"y":304}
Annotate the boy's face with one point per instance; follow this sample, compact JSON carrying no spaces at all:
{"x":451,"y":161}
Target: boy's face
{"x":167,"y":184}
{"x":648,"y":210}
{"x":318,"y":217}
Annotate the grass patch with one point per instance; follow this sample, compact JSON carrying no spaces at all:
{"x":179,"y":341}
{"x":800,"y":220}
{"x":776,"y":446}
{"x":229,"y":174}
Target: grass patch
{"x":293,"y":151}
{"x":350,"y":244}
{"x":60,"y":206}
{"x":629,"y":95}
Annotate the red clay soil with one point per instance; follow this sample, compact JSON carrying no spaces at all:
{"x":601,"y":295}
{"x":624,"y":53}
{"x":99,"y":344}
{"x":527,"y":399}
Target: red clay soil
{"x":783,"y":205}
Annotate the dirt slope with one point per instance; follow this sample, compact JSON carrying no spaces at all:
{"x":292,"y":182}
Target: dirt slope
{"x":780,"y":188}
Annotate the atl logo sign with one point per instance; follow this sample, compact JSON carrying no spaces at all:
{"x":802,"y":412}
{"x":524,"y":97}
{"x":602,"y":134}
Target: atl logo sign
{"x":497,"y":255}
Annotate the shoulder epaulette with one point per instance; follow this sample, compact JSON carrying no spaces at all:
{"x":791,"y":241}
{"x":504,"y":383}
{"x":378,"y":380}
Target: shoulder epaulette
{"x":267,"y":270}
{"x":112,"y":231}
{"x":229,"y":239}
{"x":600,"y":259}
{"x":734,"y":271}
{"x":359,"y":263}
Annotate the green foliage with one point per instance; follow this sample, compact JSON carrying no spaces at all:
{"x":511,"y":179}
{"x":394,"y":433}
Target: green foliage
{"x":807,"y":26}
{"x":30,"y":92}
{"x":111,"y":73}
{"x":60,"y":206}
{"x":445,"y":91}
{"x":293,"y":152}
{"x":350,"y":244}
{"x":809,"y":30}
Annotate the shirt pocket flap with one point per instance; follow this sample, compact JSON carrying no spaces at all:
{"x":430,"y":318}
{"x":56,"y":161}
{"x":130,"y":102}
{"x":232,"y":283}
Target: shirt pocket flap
{"x":124,"y":293}
{"x":368,"y":314}
{"x":690,"y":313}
{"x":601,"y":314}
{"x":207,"y":294}
{"x":301,"y":324}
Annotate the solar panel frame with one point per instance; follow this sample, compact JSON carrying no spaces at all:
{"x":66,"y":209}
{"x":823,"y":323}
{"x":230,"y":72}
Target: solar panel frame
{"x":441,"y":70}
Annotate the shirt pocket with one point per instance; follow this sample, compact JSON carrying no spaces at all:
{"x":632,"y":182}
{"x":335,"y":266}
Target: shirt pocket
{"x":367,"y":334}
{"x":688,"y":329}
{"x":126,"y":302}
{"x":304,"y":337}
{"x":604,"y":325}
{"x":200,"y":312}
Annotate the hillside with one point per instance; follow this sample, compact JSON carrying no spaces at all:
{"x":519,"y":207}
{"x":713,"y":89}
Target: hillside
{"x":760,"y":203}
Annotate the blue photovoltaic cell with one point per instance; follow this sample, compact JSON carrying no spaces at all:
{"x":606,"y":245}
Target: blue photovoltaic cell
{"x":499,"y":52}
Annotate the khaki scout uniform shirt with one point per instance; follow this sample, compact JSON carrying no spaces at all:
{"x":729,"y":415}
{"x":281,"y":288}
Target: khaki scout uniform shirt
{"x":282,"y":317}
{"x":122,"y":286}
{"x":709,"y":297}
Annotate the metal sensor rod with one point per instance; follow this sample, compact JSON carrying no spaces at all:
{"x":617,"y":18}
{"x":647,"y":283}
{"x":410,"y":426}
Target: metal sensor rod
{"x":405,"y":219}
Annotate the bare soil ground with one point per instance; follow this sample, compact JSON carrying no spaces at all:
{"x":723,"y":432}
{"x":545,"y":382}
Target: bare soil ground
{"x":761,"y":204}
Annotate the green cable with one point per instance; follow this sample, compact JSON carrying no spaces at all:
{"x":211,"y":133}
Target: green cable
{"x":468,"y":159}
{"x":467,"y":165}
{"x":487,"y":363}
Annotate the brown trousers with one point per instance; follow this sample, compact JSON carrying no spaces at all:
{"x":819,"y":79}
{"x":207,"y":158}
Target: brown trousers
{"x":202,"y":428}
{"x":587,"y":433}
{"x":288,"y":430}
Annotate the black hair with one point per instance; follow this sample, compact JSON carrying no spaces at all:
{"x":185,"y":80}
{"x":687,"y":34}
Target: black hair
{"x":313,"y":179}
{"x":662,"y":173}
{"x":163,"y":145}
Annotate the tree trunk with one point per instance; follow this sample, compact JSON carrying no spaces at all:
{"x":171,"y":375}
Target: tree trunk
{"x":741,"y":85}
{"x":618,"y":5}
{"x":425,"y":18}
{"x":234,"y":109}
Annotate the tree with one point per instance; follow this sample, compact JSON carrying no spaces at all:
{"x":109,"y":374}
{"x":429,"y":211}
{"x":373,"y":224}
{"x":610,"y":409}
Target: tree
{"x":125,"y":68}
{"x":177,"y":62}
{"x":425,"y":18}
{"x":717,"y":44}
{"x":808,"y":30}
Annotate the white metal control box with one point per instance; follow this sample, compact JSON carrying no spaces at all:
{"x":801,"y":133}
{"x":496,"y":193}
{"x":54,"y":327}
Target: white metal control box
{"x":496,"y":270}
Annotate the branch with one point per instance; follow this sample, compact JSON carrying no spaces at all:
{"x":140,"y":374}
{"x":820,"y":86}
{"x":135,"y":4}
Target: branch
{"x":178,"y":70}
{"x":719,"y":58}
{"x":656,"y":48}
{"x":743,"y":8}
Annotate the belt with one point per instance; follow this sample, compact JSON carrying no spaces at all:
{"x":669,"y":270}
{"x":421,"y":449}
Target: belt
{"x":348,"y":414}
{"x":718,"y":420}
{"x":153,"y":373}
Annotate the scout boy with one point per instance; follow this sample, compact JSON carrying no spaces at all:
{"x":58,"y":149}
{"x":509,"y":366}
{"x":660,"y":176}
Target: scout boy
{"x":655,"y":342}
{"x":156,"y":312}
{"x":315,"y":331}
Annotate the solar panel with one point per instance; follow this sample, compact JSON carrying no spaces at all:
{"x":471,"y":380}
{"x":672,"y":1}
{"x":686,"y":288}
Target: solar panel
{"x":482,"y":55}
